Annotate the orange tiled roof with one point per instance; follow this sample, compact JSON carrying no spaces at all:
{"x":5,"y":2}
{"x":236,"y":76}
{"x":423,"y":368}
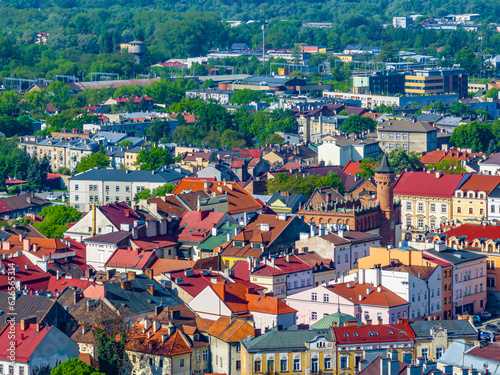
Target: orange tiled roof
{"x":229,"y":330}
{"x":268,"y":305}
{"x":481,"y":182}
{"x":384,"y":298}
{"x":437,"y":155}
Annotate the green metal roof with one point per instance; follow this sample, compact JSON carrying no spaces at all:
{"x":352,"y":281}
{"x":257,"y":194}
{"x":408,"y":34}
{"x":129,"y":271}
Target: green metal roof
{"x":211,"y":242}
{"x":337,"y":318}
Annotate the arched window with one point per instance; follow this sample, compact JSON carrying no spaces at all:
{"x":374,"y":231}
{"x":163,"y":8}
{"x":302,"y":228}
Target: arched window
{"x":459,"y":210}
{"x":471,"y":211}
{"x":481,"y":211}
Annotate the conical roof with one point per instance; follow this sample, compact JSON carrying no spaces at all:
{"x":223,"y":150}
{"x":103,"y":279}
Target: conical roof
{"x":384,"y":166}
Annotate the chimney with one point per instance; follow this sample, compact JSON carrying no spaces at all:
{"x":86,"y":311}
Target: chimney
{"x":109,"y":274}
{"x":24,"y":324}
{"x":26,"y":244}
{"x":158,"y":310}
{"x":394,"y":367}
{"x":131,"y":275}
{"x":76,"y":297}
{"x":384,"y":366}
{"x":394,"y":355}
{"x":149,"y":272}
{"x":58,"y":275}
{"x":126,"y":285}
{"x":151,"y":289}
{"x":340,"y":233}
{"x":287,"y":258}
{"x":156,"y":325}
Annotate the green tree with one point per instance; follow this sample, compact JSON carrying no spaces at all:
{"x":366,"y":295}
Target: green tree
{"x":492,"y":93}
{"x":153,"y":158}
{"x":467,"y":60}
{"x":367,"y":168}
{"x":357,"y":124}
{"x":383,"y":109}
{"x":158,"y":129}
{"x":97,"y":159}
{"x":125,"y":143}
{"x":56,"y":219}
{"x":60,"y":94}
{"x":296,"y":184}
{"x":246,"y":96}
{"x":110,"y":344}
{"x":449,"y":166}
{"x":74,"y":366}
{"x":400,"y":160}
{"x":439,"y":106}
{"x":474,"y":135}
{"x":460,"y":109}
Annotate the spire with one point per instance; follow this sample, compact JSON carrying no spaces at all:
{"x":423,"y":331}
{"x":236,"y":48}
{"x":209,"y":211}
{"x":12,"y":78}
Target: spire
{"x":384,"y":166}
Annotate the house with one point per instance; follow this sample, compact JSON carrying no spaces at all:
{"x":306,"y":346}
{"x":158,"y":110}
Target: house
{"x":421,"y":286}
{"x":240,"y":203}
{"x":298,"y":351}
{"x":194,"y":161}
{"x":225,"y":335}
{"x":220,"y":171}
{"x":36,"y":348}
{"x":409,"y":135}
{"x":462,"y":356}
{"x":365,"y":301}
{"x":491,"y":165}
{"x":237,"y":300}
{"x":21,"y":205}
{"x":432,"y":338}
{"x":344,"y":247}
{"x":108,"y":218}
{"x":339,"y":151}
{"x":426,"y":200}
{"x":471,"y":198}
{"x":355,"y":343}
{"x":27,"y":274}
{"x":284,"y":202}
{"x":195,"y":226}
{"x":117,"y":185}
{"x":216,"y":239}
{"x":265,"y":235}
{"x":223,"y":97}
{"x":136,"y":260}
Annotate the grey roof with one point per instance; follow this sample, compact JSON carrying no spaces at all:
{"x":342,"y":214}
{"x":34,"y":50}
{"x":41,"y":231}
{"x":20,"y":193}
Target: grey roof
{"x":116,"y":238}
{"x":111,"y":137}
{"x":290,"y":339}
{"x":352,"y":141}
{"x":384,"y":166}
{"x":137,"y":299}
{"x":428,"y":117}
{"x":164,"y":174}
{"x":26,"y":306}
{"x":289,"y":200}
{"x":456,"y":256}
{"x":449,"y":121}
{"x":494,"y":160}
{"x":495,"y":193}
{"x":455,"y":328}
{"x":405,"y":126}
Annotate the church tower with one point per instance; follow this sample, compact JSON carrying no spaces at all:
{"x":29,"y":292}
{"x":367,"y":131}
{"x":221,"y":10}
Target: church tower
{"x":384,"y":178}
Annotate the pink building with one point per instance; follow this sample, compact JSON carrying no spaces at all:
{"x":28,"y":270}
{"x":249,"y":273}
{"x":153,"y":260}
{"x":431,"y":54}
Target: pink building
{"x":366,"y":302}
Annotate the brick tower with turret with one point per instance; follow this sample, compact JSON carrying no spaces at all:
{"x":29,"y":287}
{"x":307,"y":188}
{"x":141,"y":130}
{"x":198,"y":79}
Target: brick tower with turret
{"x":388,"y":217}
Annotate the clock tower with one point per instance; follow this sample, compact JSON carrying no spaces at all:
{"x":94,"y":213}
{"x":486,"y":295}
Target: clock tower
{"x":384,"y":178}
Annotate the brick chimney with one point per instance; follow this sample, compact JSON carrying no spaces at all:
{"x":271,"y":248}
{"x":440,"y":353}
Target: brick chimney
{"x":131,"y":275}
{"x":149,"y":272}
{"x":151,"y":289}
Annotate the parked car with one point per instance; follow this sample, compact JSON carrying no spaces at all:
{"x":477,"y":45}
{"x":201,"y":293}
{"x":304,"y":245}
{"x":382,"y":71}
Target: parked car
{"x":476,"y":319}
{"x":52,"y":198}
{"x":484,"y":315}
{"x":492,"y":328}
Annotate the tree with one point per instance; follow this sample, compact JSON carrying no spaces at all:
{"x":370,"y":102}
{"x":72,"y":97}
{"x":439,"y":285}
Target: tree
{"x":439,"y":106}
{"x":56,"y":219}
{"x":467,"y":60}
{"x":449,"y":166}
{"x":246,"y":96}
{"x":400,"y":160}
{"x":492,"y":93}
{"x":74,"y":366}
{"x":125,"y":143}
{"x":460,"y":109}
{"x":367,"y":168}
{"x":357,"y":124}
{"x":153,"y":158}
{"x":97,"y":159}
{"x":474,"y":135}
{"x":296,"y":184}
{"x":158,"y":129}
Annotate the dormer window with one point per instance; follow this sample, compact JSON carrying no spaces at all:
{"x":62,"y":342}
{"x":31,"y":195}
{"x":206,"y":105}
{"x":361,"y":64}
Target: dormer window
{"x":256,"y":245}
{"x":471,"y":194}
{"x":459,"y":194}
{"x":238,"y":244}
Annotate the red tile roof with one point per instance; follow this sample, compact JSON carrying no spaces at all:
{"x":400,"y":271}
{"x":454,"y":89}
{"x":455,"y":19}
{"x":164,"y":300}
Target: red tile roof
{"x":385,"y":297}
{"x":174,"y":345}
{"x":380,"y":333}
{"x":268,"y":305}
{"x":249,"y":153}
{"x":119,"y":213}
{"x":56,"y":285}
{"x":481,"y":182}
{"x":237,"y":164}
{"x":148,"y":243}
{"x":28,"y":274}
{"x":195,"y":226}
{"x":489,"y":351}
{"x":436,"y":156}
{"x":162,"y":265}
{"x":27,"y":341}
{"x":128,"y":258}
{"x":424,"y":184}
{"x":472,"y":232}
{"x":195,"y":284}
{"x":229,"y":330}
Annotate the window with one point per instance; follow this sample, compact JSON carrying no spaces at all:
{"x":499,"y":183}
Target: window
{"x":433,"y":207}
{"x":327,"y":365}
{"x":382,"y":135}
{"x":160,"y":364}
{"x":326,"y":298}
{"x":11,"y":370}
{"x":127,"y":189}
{"x":471,"y":211}
{"x":405,"y":136}
{"x":391,"y":135}
{"x":205,"y":354}
{"x":117,"y":188}
{"x":257,"y":365}
{"x":198,"y":356}
{"x":238,"y":347}
{"x":296,"y":364}
{"x":91,"y":198}
{"x":314,"y":365}
{"x":420,"y":207}
{"x":481,"y":211}
{"x":77,"y":198}
{"x":314,"y":315}
{"x":492,"y":208}
{"x":405,"y":146}
{"x":314,"y":296}
{"x":347,"y":258}
{"x":459,"y":210}
{"x":107,"y":187}
{"x":283,"y":365}
{"x":181,"y":364}
{"x":379,"y":316}
{"x":408,"y":222}
{"x":238,"y":365}
{"x":338,"y":259}
{"x":443,"y":208}
{"x":343,"y":361}
{"x":398,"y":136}
{"x":420,"y":223}
{"x":150,"y":361}
{"x":91,"y":187}
{"x":408,"y":205}
{"x":76,"y":187}
{"x":425,"y":352}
